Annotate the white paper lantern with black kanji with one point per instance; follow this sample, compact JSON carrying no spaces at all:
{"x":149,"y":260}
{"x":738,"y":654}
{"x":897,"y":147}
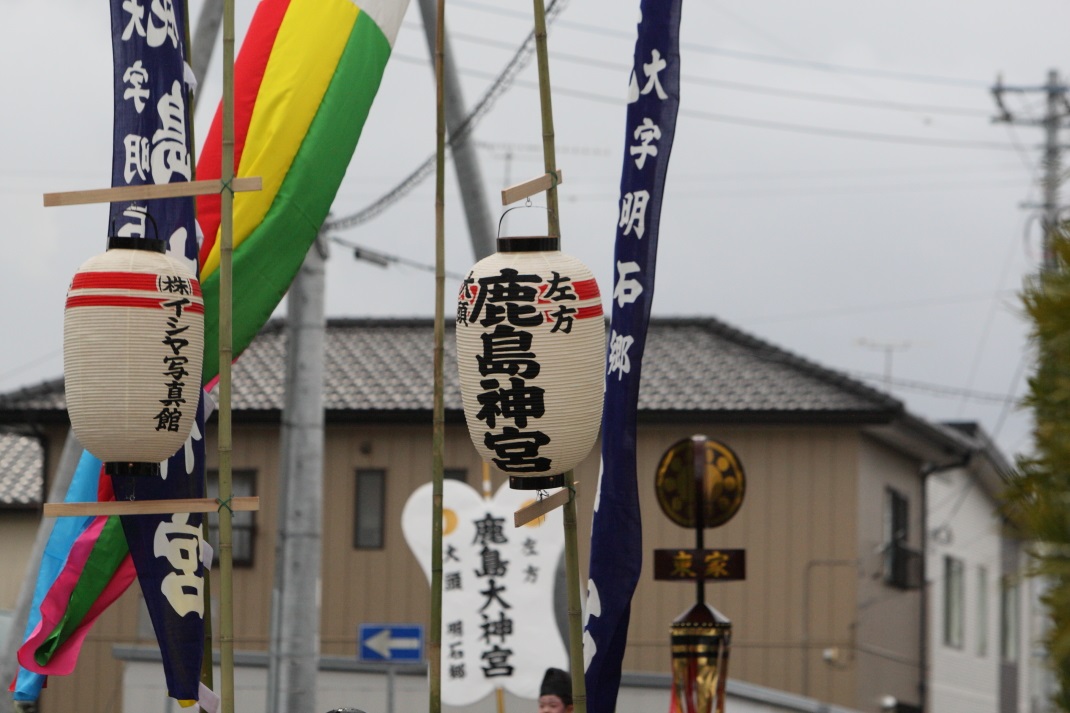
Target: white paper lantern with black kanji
{"x":531,"y":344}
{"x":133,"y":343}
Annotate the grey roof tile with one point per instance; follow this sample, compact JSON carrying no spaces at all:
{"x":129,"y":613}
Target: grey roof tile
{"x":385,"y":365}
{"x":22,"y":462}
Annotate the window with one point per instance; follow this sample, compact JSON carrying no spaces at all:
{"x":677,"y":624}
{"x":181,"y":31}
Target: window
{"x":243,"y":523}
{"x":902,"y":565}
{"x":954,"y":587}
{"x":982,"y":611}
{"x":369,"y":517}
{"x":460,"y":474}
{"x":1008,"y":619}
{"x":896,"y":516}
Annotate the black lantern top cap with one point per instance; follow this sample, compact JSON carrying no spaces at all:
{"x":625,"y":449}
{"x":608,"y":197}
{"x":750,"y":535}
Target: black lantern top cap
{"x":116,"y":242}
{"x":537,"y":244}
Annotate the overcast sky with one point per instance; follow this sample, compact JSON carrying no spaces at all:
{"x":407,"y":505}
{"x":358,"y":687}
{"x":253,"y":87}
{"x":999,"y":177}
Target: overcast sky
{"x":837,"y":186}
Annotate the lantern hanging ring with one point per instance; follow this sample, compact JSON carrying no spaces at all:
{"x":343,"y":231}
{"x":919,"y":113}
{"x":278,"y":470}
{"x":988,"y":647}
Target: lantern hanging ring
{"x":527,"y":204}
{"x":154,"y":243}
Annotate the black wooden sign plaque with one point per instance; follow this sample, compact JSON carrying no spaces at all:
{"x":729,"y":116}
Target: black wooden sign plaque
{"x":682,"y":565}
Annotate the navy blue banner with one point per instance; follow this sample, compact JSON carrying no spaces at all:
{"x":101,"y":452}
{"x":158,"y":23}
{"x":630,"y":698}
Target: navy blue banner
{"x":152,"y":146}
{"x":616,"y":537}
{"x":166,"y":550}
{"x":151,"y":143}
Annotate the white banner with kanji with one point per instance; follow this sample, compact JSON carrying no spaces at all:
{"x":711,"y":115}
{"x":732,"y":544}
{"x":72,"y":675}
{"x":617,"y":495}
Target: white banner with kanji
{"x":498,"y":625}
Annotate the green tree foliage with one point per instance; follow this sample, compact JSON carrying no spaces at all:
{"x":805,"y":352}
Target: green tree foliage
{"x":1038,"y":501}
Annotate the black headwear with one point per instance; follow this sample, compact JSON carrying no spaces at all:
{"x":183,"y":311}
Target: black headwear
{"x":557,"y":683}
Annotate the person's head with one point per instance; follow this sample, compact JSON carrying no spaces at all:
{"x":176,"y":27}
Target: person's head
{"x":555,"y":694}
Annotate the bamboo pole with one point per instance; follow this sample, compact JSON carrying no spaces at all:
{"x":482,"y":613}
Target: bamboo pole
{"x":548,"y":147}
{"x":226,"y":352}
{"x":575,"y":611}
{"x":434,"y":657}
{"x":572,"y":572}
{"x":499,"y":692}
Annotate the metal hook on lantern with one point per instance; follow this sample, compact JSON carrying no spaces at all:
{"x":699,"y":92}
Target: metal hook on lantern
{"x":527,"y":204}
{"x":134,"y":242}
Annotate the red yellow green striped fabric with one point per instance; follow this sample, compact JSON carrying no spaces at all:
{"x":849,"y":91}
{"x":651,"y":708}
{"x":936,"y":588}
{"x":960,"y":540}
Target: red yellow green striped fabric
{"x":304,"y":82}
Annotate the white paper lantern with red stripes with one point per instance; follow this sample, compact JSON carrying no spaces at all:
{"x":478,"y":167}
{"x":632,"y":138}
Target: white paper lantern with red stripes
{"x":133,"y":343}
{"x":531,"y":344}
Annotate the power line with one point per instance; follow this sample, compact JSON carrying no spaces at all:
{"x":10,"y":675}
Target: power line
{"x":887,"y":306}
{"x":785,"y":126}
{"x":852,"y":173}
{"x":844,"y":133}
{"x":753,"y":56}
{"x":808,"y":176}
{"x":30,"y":364}
{"x":789,"y":192}
{"x":986,"y":331}
{"x":1005,"y":411}
{"x":745,"y":87}
{"x":501,"y":83}
{"x":382,"y":259}
{"x":505,"y":147}
{"x":963,"y":492}
{"x":838,"y":99}
{"x":937,"y":389}
{"x":508,"y":77}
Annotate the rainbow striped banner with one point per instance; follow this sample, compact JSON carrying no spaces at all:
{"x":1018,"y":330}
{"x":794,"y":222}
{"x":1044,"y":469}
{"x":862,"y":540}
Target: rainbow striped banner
{"x":304,"y":83}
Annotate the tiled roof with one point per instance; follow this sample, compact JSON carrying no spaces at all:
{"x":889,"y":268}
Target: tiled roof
{"x":385,"y":366}
{"x":22,"y":462}
{"x":43,"y":397}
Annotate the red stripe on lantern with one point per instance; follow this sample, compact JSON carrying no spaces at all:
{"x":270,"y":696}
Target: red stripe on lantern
{"x":587,"y":290}
{"x":124,"y":301}
{"x":123,"y":281}
{"x":588,"y":312}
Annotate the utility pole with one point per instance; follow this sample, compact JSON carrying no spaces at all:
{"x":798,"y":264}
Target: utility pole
{"x":1057,"y":111}
{"x":293,"y":658}
{"x":208,"y":22}
{"x":465,"y":161}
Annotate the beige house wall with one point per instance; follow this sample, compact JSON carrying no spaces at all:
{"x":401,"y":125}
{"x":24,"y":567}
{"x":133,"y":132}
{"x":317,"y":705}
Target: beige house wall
{"x":888,"y":623}
{"x":20,"y":529}
{"x":812,"y":512}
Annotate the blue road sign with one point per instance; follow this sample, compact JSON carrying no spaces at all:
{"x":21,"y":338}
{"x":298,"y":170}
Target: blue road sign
{"x":399,"y":643}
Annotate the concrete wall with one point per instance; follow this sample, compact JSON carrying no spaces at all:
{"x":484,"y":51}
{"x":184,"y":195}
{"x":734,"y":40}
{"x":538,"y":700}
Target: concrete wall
{"x":345,"y":683}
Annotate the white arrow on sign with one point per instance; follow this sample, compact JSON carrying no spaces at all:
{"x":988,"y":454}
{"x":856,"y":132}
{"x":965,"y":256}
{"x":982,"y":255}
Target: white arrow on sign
{"x":382,"y":644}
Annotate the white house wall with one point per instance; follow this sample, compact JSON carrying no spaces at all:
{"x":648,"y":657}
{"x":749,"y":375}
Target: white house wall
{"x":962,"y":524}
